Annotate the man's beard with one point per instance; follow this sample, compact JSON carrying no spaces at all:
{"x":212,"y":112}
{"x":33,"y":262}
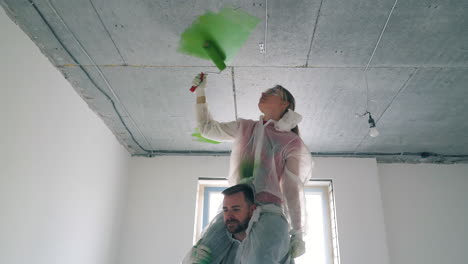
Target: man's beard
{"x":234,"y":226}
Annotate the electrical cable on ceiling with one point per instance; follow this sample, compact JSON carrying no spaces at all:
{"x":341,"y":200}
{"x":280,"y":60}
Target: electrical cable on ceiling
{"x":381,"y":34}
{"x":373,"y":53}
{"x":412,"y":157}
{"x":85,"y":72}
{"x":104,"y":79}
{"x":372,"y":124}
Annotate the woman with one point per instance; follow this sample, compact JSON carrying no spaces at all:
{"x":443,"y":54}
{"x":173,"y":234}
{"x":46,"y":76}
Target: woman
{"x":270,"y":156}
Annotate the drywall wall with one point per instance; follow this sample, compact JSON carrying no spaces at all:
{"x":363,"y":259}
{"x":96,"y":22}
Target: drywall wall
{"x":360,"y":221}
{"x":425,"y":212}
{"x":61,"y":169}
{"x":160,"y":207}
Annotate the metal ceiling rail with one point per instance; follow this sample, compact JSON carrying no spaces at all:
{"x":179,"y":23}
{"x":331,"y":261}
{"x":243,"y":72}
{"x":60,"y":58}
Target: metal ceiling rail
{"x":270,"y":66}
{"x":414,"y":157}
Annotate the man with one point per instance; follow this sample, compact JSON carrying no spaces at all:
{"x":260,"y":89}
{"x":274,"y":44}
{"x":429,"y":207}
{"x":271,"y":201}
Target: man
{"x":239,"y":239}
{"x":238,"y":208}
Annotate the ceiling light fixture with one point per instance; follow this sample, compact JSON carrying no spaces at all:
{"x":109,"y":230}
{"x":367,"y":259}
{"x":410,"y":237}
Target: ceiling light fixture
{"x":373,"y":131}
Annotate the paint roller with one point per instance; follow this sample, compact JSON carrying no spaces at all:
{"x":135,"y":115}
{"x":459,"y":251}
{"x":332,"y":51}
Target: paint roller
{"x":215,"y":53}
{"x":217,"y":36}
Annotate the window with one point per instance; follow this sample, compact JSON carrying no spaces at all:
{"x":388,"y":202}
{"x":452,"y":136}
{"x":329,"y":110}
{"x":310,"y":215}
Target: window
{"x":209,"y":202}
{"x":321,"y":239}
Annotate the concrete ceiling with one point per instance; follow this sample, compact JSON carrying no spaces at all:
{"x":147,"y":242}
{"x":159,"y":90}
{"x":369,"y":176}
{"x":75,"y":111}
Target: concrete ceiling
{"x":121,"y":58}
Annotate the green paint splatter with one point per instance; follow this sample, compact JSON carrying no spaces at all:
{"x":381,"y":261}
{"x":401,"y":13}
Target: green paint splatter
{"x":200,"y":138}
{"x":246,"y":169}
{"x":225,"y":32}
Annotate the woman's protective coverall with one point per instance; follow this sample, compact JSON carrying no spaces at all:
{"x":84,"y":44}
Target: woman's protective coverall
{"x":277,"y":164}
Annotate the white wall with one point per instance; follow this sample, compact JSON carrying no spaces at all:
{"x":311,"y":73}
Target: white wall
{"x":160,"y":208}
{"x":361,"y":230}
{"x":161,"y":205}
{"x":61,"y":169}
{"x":426,"y":212}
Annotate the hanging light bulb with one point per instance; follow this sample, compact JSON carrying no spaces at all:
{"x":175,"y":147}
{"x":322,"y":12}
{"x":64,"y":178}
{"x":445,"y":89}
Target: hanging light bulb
{"x":373,"y":132}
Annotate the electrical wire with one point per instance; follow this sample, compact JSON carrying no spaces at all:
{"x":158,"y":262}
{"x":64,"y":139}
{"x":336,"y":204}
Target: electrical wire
{"x":104,"y":79}
{"x":373,"y":53}
{"x":381,"y":34}
{"x":365,"y":73}
{"x":382,"y":157}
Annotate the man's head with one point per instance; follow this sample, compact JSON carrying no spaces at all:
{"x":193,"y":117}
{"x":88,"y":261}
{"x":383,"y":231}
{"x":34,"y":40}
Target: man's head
{"x":238,"y":207}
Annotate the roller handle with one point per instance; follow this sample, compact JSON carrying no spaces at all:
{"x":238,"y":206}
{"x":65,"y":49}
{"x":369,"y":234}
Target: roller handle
{"x":194,"y":87}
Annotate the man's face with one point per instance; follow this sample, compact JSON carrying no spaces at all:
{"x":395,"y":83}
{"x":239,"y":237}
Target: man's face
{"x":237,"y":212}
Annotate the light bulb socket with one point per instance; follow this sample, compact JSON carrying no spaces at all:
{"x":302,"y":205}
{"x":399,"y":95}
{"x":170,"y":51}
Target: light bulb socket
{"x":371,"y":121}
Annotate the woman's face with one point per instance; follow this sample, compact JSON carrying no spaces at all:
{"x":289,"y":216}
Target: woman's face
{"x":271,"y":103}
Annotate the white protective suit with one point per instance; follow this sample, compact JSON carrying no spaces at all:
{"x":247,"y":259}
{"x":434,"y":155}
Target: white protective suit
{"x":278,"y":164}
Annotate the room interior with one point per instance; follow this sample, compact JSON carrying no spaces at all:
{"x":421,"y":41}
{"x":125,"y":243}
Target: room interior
{"x":99,"y":165}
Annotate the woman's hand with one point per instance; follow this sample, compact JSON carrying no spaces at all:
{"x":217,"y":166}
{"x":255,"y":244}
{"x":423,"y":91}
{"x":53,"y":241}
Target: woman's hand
{"x":296,"y":246}
{"x":199,"y":83}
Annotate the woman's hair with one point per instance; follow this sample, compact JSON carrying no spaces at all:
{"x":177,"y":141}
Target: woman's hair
{"x":288,"y":97}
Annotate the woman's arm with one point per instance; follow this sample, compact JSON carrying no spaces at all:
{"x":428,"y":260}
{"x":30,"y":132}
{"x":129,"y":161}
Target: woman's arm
{"x":208,"y":127}
{"x":297,"y":172}
{"x":211,"y":129}
{"x":293,"y":191}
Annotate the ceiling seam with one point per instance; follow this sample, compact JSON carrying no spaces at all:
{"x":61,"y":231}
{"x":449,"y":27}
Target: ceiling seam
{"x":313,"y":33}
{"x":107,"y":31}
{"x":85,"y":72}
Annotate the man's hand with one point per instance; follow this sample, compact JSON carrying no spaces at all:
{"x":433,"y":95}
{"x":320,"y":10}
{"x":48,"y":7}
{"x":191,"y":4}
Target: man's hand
{"x":296,"y":246}
{"x":200,"y":255}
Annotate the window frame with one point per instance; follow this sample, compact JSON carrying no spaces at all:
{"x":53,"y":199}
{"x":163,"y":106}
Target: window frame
{"x":201,"y":209}
{"x":325,"y":187}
